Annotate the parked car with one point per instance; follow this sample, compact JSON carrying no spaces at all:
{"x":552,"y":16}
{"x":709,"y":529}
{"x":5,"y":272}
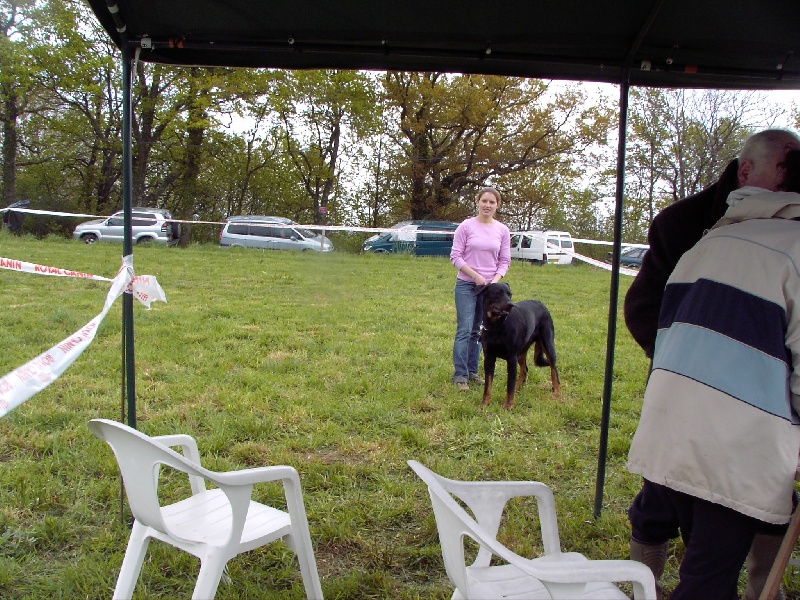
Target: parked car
{"x":542,"y":247}
{"x":630,"y":256}
{"x":274,"y":233}
{"x":147,"y":224}
{"x":419,"y":237}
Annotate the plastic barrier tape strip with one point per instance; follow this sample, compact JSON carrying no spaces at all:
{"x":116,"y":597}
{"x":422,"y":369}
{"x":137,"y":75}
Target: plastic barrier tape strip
{"x":312,"y":227}
{"x":592,"y":261}
{"x":26,"y":267}
{"x":324,"y":228}
{"x":37,"y":374}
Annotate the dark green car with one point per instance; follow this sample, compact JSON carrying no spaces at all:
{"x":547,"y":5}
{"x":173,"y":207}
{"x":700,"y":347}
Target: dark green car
{"x":630,"y":257}
{"x":422,"y":238}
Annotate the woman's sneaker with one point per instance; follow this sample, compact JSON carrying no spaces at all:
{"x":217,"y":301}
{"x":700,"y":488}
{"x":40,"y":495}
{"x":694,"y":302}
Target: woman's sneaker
{"x":462,"y":386}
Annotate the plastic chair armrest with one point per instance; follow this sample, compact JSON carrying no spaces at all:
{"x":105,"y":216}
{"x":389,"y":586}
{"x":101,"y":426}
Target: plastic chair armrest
{"x":257,"y":475}
{"x":594,"y":570}
{"x":186,"y":443}
{"x":188,"y":447}
{"x":238,"y":487}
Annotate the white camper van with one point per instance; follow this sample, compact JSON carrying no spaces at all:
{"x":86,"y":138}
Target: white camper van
{"x":542,"y":247}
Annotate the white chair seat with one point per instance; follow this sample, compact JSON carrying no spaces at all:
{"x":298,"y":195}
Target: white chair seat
{"x":214,"y":525}
{"x":555,"y":575}
{"x":207,"y":517}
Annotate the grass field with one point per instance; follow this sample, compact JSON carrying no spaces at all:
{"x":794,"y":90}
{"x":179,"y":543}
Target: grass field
{"x":338,"y":365}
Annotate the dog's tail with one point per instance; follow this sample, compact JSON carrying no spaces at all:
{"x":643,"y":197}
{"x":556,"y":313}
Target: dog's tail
{"x":539,"y":357}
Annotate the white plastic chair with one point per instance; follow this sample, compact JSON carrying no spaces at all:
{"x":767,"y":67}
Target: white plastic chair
{"x":555,"y":576}
{"x":214,"y":525}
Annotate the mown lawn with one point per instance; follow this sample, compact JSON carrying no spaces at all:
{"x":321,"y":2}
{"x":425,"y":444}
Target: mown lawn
{"x":336,"y":364}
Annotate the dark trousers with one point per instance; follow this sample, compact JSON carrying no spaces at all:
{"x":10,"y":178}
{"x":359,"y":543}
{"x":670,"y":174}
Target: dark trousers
{"x":717,"y":539}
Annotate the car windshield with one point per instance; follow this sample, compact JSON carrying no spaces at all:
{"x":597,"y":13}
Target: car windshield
{"x":306,"y":233}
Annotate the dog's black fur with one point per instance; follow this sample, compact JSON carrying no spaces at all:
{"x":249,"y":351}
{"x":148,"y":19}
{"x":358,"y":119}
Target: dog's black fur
{"x":509,"y":330}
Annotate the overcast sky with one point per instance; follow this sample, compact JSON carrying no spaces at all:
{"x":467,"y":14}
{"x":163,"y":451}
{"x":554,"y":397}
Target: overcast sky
{"x":789,"y":99}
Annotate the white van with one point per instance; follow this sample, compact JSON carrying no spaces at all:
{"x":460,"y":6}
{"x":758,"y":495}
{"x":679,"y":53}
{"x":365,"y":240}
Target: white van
{"x":542,"y":247}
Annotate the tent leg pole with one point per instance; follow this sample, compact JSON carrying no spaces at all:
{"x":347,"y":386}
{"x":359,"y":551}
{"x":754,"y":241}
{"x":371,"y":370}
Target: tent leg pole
{"x":127,"y":242}
{"x":613,"y":296}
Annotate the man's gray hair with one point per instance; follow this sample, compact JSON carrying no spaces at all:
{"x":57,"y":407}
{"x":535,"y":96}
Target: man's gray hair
{"x":764,"y":143}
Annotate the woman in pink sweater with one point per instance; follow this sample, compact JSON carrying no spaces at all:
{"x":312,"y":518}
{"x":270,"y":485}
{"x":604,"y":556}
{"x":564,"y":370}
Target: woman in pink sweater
{"x":482,"y":254}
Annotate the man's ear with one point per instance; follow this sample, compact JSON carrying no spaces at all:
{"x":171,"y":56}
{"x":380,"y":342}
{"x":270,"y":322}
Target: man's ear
{"x":744,"y":171}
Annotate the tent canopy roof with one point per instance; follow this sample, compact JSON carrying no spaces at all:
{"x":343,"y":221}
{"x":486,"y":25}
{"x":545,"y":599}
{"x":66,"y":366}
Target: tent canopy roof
{"x":668,"y":43}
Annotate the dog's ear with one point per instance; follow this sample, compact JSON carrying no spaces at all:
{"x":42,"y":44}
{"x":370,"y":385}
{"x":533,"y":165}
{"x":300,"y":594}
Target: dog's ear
{"x":508,"y":288}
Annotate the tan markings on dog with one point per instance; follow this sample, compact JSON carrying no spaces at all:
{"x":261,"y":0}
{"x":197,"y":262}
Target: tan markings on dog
{"x":487,"y":390}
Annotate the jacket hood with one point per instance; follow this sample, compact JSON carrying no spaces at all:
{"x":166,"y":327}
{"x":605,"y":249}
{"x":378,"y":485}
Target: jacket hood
{"x":756,"y":203}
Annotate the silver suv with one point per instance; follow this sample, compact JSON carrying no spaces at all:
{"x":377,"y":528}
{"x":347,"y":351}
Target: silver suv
{"x":148,"y":225}
{"x":276,"y":233}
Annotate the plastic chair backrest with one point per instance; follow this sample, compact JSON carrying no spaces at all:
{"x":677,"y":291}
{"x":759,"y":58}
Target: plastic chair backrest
{"x":453,"y":523}
{"x":561,"y":575}
{"x":140,"y":458}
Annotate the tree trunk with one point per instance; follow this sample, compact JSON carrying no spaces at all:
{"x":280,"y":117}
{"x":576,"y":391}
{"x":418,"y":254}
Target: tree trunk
{"x":198,"y":117}
{"x":10,"y":115}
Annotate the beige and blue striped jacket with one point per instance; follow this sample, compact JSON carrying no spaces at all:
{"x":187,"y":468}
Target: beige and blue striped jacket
{"x":720,"y":414}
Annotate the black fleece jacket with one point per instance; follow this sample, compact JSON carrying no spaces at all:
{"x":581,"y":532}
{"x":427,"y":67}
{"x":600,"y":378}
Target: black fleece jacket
{"x":673,"y":231}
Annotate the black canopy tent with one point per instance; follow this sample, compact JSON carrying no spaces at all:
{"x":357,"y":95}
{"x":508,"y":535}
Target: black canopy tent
{"x":677,"y":43}
{"x":725,"y":44}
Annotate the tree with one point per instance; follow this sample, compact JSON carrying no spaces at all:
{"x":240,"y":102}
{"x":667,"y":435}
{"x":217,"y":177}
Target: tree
{"x":320,"y":110}
{"x":157,"y":105}
{"x":71,"y":135}
{"x":14,"y":83}
{"x":680,"y":141}
{"x":460,"y":132}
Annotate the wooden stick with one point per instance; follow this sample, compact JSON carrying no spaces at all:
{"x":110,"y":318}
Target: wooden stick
{"x":775,"y":576}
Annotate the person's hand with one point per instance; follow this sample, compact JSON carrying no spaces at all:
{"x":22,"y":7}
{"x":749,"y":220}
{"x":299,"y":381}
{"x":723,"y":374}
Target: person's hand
{"x":479,"y":279}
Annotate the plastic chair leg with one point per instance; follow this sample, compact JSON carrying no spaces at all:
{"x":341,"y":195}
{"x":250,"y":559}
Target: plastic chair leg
{"x":308,"y":571}
{"x":132,"y":563}
{"x":211,"y":569}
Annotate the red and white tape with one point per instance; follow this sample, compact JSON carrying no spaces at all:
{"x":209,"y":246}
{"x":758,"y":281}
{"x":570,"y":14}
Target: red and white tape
{"x":592,"y":261}
{"x":323,"y":228}
{"x":35,"y":375}
{"x":26,"y":267}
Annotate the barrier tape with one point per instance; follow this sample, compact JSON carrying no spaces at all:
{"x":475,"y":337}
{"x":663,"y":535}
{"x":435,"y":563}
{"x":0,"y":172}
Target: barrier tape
{"x":48,"y":212}
{"x":26,"y":267}
{"x":199,"y":222}
{"x":35,"y":375}
{"x":346,"y":228}
{"x":324,"y":228}
{"x":597,"y":263}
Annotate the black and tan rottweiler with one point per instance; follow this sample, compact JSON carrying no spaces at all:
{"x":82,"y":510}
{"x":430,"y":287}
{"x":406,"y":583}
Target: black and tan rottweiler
{"x":509,"y":330}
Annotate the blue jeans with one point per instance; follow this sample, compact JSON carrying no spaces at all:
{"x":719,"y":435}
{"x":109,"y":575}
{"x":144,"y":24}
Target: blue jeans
{"x":469,"y":316}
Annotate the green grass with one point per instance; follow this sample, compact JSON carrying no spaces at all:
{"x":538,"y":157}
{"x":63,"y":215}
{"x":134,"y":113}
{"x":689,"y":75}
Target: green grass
{"x":338,"y":365}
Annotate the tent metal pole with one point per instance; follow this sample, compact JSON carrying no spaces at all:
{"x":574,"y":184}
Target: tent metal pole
{"x":613,"y":295}
{"x":127,"y":242}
